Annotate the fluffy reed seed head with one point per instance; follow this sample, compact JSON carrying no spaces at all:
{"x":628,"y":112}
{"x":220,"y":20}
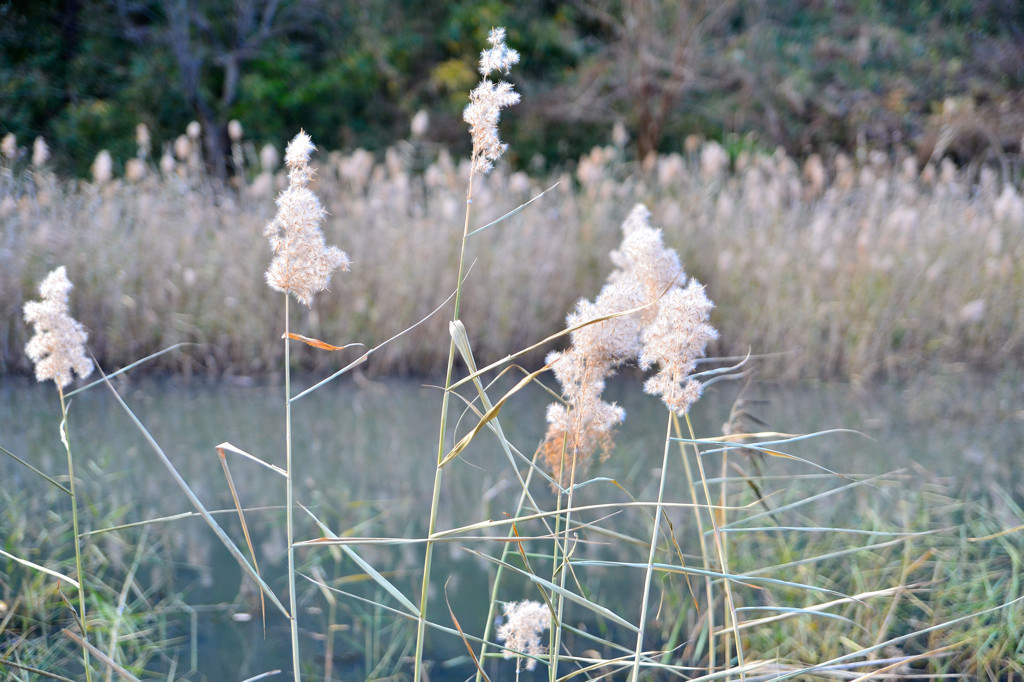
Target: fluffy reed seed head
{"x":521,"y":631}
{"x":674,"y":332}
{"x":674,"y":341}
{"x":143,"y":140}
{"x":58,"y":346}
{"x":487,"y":100}
{"x":235,"y":130}
{"x":670,"y":332}
{"x":269,"y":158}
{"x":40,"y":152}
{"x":9,"y":146}
{"x":182,"y":147}
{"x":103,"y":168}
{"x":420,"y":124}
{"x":303,"y":263}
{"x":584,"y":427}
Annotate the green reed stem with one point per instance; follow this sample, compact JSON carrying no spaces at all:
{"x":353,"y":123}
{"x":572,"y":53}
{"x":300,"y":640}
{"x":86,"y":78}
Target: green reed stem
{"x":650,"y":557}
{"x":74,"y":525}
{"x":556,"y":630}
{"x":435,"y":498}
{"x":705,"y":556}
{"x":289,"y":496}
{"x":722,"y":561}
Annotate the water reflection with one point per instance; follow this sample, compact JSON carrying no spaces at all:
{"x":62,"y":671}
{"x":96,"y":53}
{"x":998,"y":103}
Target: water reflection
{"x":364,"y":459}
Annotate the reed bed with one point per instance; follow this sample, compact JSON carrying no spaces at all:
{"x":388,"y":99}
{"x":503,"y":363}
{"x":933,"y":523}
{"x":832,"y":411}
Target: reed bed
{"x":731,"y":572}
{"x":847,"y":270}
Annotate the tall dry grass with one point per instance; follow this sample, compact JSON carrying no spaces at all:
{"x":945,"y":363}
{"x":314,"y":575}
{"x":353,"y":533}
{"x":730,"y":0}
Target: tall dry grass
{"x":846,"y":270}
{"x":802,"y":254}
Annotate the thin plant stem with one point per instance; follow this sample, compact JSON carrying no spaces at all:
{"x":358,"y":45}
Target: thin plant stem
{"x":556,"y":634}
{"x":723,"y":494}
{"x":289,"y":497}
{"x":74,"y":525}
{"x":723,"y":564}
{"x":506,"y":549}
{"x":709,"y":592}
{"x":650,"y":557}
{"x":436,"y":496}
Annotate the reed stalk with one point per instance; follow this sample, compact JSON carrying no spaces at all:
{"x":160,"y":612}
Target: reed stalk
{"x":79,"y":574}
{"x":441,"y":440}
{"x":722,"y":561}
{"x":704,"y":553}
{"x":293,"y":619}
{"x":302,"y":266}
{"x":58,"y":350}
{"x":649,"y":572}
{"x":482,"y":113}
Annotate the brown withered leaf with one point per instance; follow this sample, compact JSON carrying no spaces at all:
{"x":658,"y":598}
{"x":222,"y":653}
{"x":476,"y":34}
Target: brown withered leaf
{"x":317,"y":343}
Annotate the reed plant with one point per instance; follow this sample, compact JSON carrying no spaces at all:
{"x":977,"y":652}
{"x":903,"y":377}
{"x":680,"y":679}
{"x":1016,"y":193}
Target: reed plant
{"x":302,"y":267}
{"x":847,"y":268}
{"x":139,"y":625}
{"x":482,"y":114}
{"x":704,"y":604}
{"x":58,"y":351}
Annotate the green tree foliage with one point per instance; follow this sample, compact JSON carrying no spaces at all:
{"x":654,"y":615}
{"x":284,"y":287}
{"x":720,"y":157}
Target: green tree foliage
{"x":806,"y":75}
{"x":68,"y":73}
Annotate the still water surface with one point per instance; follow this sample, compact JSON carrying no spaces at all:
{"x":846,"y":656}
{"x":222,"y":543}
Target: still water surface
{"x":363,"y":456}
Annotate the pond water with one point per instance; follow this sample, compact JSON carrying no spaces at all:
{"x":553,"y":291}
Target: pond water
{"x":364,"y":453}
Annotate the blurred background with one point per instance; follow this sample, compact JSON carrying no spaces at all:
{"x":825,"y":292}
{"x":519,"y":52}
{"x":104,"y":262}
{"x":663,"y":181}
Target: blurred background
{"x":844,"y":176}
{"x":815,"y":75}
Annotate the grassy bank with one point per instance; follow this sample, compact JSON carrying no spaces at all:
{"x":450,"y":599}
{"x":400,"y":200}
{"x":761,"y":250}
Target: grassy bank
{"x":910,"y":545}
{"x":848,"y":270}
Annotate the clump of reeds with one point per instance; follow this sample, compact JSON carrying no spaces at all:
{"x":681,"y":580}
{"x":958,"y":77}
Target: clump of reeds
{"x":846,"y":269}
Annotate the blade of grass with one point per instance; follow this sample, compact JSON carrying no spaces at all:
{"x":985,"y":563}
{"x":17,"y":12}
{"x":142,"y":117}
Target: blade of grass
{"x":245,"y":530}
{"x":365,"y":356}
{"x":745,"y":579}
{"x":367,"y":568}
{"x":262,"y":676}
{"x":33,"y":469}
{"x":317,"y":343}
{"x":225,"y":446}
{"x":168,"y":519}
{"x":41,"y":569}
{"x":37,"y":671}
{"x":512,"y":212}
{"x":200,"y":507}
{"x":788,"y":610}
{"x":462,"y":635}
{"x":107,"y":377}
{"x":106,"y":660}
